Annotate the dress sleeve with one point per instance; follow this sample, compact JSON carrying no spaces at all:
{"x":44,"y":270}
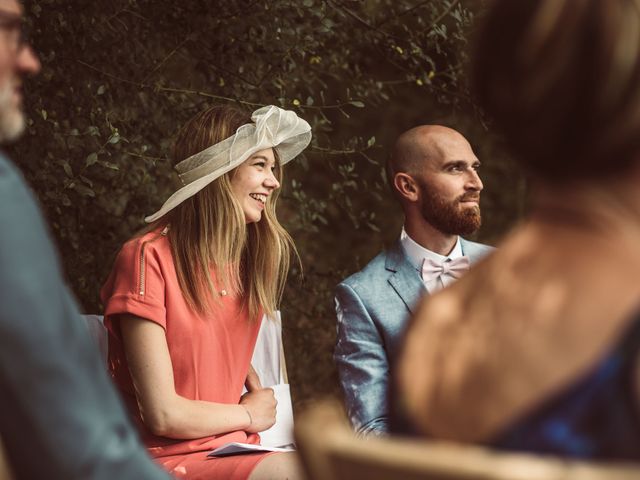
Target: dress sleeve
{"x":136,"y":284}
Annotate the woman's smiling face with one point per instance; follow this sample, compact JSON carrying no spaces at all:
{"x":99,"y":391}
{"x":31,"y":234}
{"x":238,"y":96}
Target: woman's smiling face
{"x":252,"y":183}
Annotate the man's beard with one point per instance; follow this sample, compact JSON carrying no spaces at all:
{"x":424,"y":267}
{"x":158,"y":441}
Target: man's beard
{"x":12,"y":121}
{"x":448,"y":216}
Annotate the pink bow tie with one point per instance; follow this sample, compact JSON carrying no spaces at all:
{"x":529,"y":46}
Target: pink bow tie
{"x":455,"y":268}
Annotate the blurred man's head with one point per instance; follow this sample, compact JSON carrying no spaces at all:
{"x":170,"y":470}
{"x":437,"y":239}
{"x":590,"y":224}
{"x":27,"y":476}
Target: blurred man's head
{"x":433,"y":170}
{"x":560,"y":79}
{"x":16,"y":60}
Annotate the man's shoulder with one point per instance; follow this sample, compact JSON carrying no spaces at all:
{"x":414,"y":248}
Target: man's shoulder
{"x":373,"y":272}
{"x":18,"y":207}
{"x":27,"y":254}
{"x":475,"y":249}
{"x":5,"y":162}
{"x":11,"y":179}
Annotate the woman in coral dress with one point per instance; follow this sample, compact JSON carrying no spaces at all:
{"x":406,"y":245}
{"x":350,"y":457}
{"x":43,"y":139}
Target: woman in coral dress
{"x":184,"y":300}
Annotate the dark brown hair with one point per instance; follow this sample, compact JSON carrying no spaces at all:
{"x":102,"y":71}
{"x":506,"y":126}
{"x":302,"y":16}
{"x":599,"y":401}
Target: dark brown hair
{"x":561,"y":78}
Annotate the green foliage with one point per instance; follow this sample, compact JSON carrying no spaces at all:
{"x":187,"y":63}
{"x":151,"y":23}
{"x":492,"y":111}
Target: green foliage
{"x":119,"y":78}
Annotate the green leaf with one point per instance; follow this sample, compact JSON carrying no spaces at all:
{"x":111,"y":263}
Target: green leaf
{"x":67,"y":169}
{"x":91,"y":159}
{"x":110,"y":165}
{"x":84,"y":190}
{"x":373,"y":226}
{"x":86,"y":180}
{"x":357,"y":103}
{"x":371,"y":142}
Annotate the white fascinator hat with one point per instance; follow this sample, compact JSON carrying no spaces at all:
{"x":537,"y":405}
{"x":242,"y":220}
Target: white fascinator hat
{"x":272,"y":127}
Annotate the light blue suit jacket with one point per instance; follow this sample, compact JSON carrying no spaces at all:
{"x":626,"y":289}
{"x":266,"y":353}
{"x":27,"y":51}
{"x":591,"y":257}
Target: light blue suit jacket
{"x":373,"y":306}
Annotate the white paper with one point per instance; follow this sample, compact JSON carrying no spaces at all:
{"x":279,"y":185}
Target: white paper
{"x":279,"y":438}
{"x":266,"y":355}
{"x":236,"y":448}
{"x":281,"y":433}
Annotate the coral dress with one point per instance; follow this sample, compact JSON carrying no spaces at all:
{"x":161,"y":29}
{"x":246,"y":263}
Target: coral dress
{"x":210,"y":354}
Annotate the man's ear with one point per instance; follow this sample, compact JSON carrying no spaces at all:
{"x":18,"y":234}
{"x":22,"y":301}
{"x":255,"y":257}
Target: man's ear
{"x":406,"y":186}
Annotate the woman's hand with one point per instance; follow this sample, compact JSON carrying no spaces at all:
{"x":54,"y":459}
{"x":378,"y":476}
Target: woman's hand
{"x":253,"y":380}
{"x":261,"y":406}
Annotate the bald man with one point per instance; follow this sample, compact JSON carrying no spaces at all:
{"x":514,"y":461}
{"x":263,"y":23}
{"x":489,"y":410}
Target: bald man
{"x":433,"y":173}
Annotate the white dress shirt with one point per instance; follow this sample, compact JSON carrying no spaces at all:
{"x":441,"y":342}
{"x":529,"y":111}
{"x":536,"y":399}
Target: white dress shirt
{"x":417,"y":255}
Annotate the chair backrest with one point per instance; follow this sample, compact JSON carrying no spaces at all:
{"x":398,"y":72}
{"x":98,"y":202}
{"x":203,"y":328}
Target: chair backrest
{"x":98,"y":333}
{"x":331,"y":451}
{"x":5,"y":471}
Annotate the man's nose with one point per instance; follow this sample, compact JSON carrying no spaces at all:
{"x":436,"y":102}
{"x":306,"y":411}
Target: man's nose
{"x":474,"y":182}
{"x":27,"y":61}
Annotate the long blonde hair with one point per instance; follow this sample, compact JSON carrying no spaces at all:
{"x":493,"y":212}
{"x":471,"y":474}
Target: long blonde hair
{"x":208,"y":231}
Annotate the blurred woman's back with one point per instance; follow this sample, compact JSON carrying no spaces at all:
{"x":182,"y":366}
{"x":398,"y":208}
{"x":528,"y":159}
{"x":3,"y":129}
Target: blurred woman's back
{"x":536,"y":348}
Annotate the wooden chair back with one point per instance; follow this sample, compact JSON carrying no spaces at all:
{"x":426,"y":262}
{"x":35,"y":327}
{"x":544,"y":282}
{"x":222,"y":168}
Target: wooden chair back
{"x":331,"y":451}
{"x":5,"y":471}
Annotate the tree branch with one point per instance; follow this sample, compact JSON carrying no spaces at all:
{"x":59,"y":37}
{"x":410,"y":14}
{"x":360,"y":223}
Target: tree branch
{"x":366,"y":24}
{"x":443,"y":14}
{"x":402,"y":14}
{"x":166,"y":58}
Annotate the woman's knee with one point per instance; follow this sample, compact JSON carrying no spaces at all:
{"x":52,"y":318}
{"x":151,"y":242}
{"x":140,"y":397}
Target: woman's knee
{"x":279,"y":466}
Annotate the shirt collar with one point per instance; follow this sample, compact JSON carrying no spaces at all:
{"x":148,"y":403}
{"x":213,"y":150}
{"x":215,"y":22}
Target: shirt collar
{"x":417,"y":253}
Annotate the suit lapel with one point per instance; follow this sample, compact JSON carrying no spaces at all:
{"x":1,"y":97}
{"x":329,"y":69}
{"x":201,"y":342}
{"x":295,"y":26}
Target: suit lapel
{"x":471,"y":250}
{"x":405,"y":280}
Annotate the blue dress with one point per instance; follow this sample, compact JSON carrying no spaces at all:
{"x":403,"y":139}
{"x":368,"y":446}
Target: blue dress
{"x":597,"y":417}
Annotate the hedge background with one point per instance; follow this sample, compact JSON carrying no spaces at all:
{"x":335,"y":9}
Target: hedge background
{"x":120,"y":77}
